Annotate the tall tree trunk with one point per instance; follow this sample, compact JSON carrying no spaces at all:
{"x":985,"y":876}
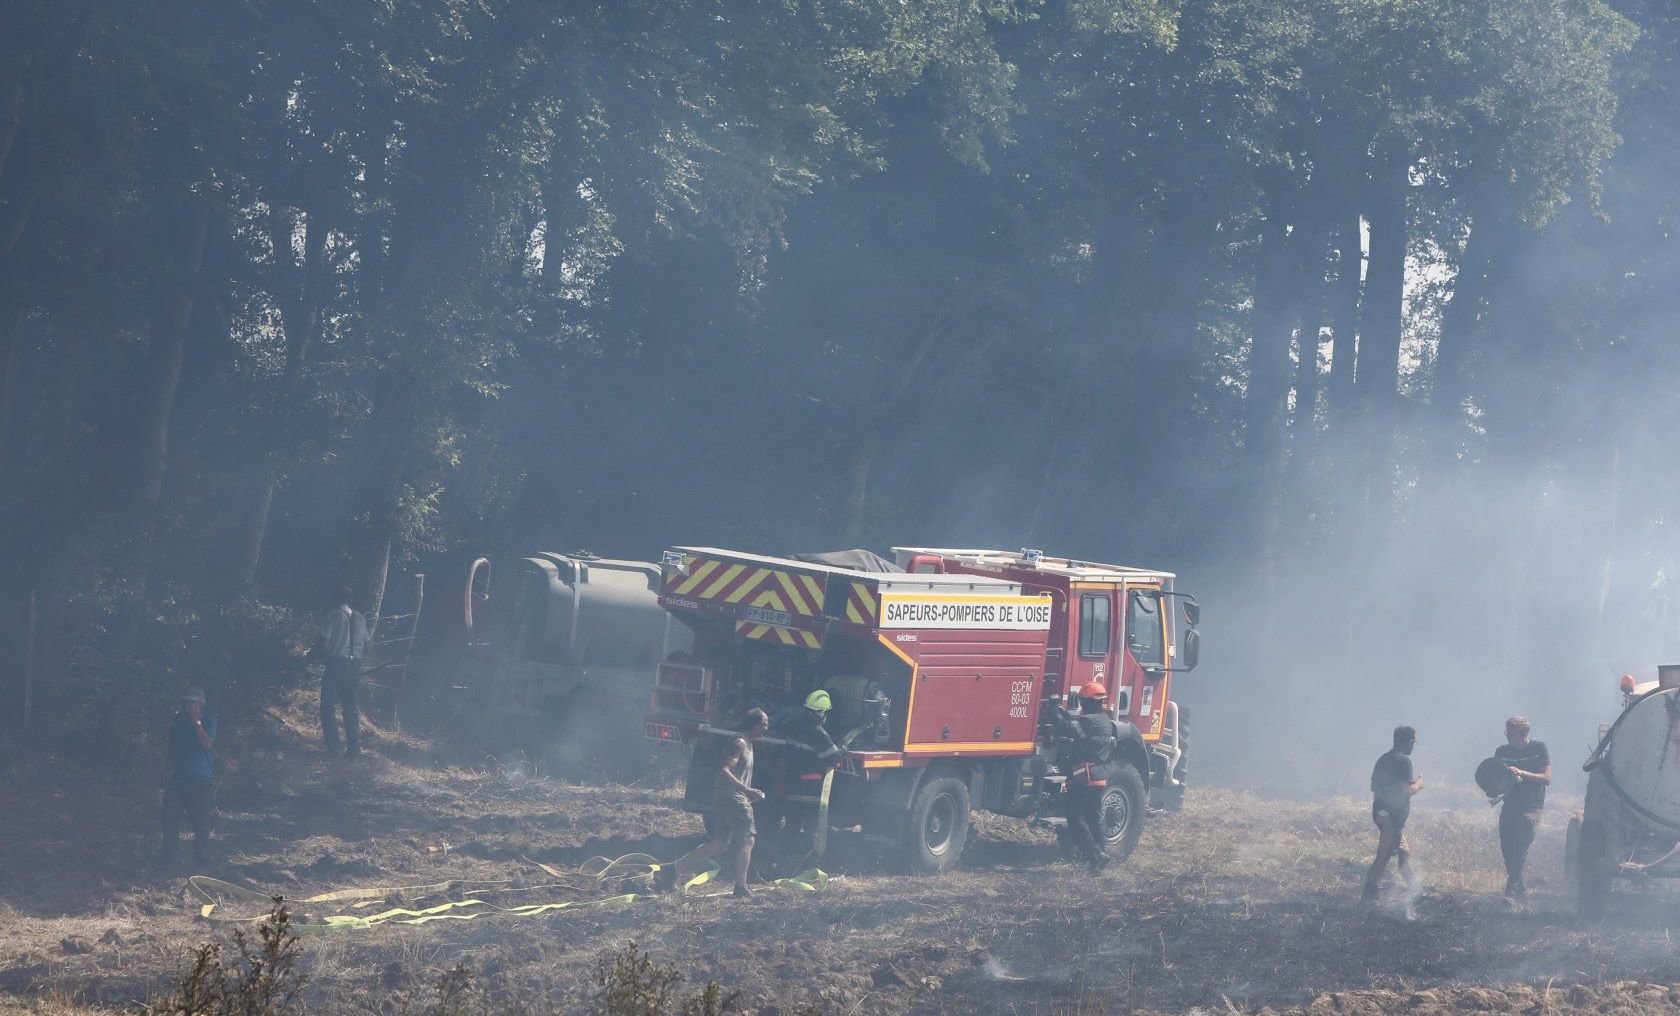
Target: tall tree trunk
{"x":11,"y":365}
{"x":871,"y":432}
{"x":1301,"y":493}
{"x":1460,"y":327}
{"x":298,"y":294}
{"x":12,"y":72}
{"x":1379,"y":345}
{"x":1265,"y":405}
{"x":1343,"y":316}
{"x":160,"y":376}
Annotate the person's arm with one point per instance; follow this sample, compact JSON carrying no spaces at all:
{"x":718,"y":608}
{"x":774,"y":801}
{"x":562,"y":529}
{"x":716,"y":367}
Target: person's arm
{"x":824,"y":747}
{"x":1541,"y":775}
{"x":195,"y":714}
{"x":1413,"y":783}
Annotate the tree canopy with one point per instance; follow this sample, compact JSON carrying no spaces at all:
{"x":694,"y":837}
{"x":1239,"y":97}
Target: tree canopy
{"x":1295,"y":296}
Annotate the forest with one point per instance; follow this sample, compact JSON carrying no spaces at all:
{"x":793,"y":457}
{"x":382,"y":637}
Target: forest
{"x":1356,"y":313}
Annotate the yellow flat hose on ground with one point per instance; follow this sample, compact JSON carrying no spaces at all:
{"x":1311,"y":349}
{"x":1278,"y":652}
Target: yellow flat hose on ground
{"x":637,"y":869}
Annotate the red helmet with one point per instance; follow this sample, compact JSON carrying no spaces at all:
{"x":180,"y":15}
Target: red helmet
{"x":1094,"y":690}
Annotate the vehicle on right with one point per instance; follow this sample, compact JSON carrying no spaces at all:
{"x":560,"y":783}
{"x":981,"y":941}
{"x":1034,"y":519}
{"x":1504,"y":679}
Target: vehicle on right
{"x":1630,"y":820}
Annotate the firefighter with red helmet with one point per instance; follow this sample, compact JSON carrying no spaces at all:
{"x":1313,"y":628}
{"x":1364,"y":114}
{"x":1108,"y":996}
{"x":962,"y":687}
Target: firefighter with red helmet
{"x":1091,"y":741}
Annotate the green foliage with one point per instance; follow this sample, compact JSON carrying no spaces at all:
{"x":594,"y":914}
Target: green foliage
{"x":263,"y":980}
{"x":482,"y":274}
{"x":632,"y":984}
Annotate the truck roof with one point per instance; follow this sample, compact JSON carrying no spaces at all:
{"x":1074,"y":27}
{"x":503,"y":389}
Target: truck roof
{"x":1091,"y":571}
{"x":884,"y":580}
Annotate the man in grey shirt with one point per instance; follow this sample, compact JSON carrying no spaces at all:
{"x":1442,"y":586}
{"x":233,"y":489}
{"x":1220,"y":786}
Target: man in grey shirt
{"x":1392,"y":787}
{"x":344,"y":637}
{"x":731,"y":811}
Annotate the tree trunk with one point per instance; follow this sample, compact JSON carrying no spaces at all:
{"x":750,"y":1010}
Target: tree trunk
{"x":1379,"y":346}
{"x":11,"y":107}
{"x":164,"y":355}
{"x":856,"y":496}
{"x":159,"y":379}
{"x":871,"y":434}
{"x":1300,"y":492}
{"x":298,"y":296}
{"x":1460,"y":326}
{"x":1343,"y":315}
{"x":11,"y":364}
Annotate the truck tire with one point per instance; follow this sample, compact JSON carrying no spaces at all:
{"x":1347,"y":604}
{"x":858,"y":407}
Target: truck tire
{"x":1592,"y":879}
{"x":1572,"y":853}
{"x":1124,"y":804}
{"x":936,"y":827}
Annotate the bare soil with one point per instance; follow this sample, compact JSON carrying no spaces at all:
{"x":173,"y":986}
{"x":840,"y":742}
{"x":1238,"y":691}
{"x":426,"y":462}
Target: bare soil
{"x":1244,"y":902}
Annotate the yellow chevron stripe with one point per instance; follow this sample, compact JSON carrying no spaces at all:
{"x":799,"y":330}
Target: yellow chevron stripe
{"x":770,"y":599}
{"x":729,"y":575}
{"x":868,"y":597}
{"x":852,"y":614}
{"x":696,"y":577}
{"x":813,"y":590}
{"x":744,"y":589}
{"x":810,"y":639}
{"x":785,"y":580}
{"x":749,"y":630}
{"x":785,"y":635}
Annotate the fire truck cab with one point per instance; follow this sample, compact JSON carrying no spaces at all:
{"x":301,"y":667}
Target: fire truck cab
{"x":946,"y":669}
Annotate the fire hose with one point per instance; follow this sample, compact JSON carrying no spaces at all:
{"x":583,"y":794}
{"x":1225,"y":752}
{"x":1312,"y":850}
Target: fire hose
{"x":630,"y":875}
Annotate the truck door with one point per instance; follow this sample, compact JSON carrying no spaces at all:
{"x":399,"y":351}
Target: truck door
{"x":1091,"y":638}
{"x":1145,"y":659}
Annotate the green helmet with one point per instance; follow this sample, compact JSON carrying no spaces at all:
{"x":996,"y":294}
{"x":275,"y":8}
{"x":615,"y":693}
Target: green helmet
{"x":819,"y":701}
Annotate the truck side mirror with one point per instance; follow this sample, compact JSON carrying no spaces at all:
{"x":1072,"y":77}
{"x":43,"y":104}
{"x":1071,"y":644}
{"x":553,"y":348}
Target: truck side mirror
{"x":1191,"y":650}
{"x":1192,"y":612}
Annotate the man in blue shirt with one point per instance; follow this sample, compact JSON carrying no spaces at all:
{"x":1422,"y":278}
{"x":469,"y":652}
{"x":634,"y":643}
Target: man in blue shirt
{"x":192,"y":735}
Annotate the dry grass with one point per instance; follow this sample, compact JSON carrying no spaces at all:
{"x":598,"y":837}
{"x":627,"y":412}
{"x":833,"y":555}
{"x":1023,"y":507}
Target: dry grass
{"x":1242,"y":903}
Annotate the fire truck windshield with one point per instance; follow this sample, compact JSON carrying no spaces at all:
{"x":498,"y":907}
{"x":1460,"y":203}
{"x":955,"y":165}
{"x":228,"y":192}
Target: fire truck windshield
{"x":1144,"y":635}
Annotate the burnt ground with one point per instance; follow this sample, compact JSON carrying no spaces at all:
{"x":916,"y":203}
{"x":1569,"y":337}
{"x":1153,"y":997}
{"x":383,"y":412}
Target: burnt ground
{"x":1243,"y":902}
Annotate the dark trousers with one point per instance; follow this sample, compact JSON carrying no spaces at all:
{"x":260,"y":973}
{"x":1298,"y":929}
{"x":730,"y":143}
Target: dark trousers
{"x":1516,"y":833}
{"x":192,"y":797}
{"x":1085,"y":820}
{"x":798,"y":838}
{"x":338,"y":690}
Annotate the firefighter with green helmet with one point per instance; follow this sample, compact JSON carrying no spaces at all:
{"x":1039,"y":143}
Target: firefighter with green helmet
{"x":812,"y":756}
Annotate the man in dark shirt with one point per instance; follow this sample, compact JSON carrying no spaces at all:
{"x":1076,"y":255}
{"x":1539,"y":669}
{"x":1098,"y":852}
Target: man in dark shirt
{"x":192,"y":734}
{"x":1091,"y":737}
{"x":1519,"y":813}
{"x":1392,"y":787}
{"x":811,"y":758}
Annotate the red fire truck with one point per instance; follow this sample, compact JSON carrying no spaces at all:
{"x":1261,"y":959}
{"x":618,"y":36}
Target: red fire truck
{"x":945,"y":668}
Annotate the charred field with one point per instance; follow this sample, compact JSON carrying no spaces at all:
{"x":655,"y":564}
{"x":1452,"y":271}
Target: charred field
{"x":1246,"y":901}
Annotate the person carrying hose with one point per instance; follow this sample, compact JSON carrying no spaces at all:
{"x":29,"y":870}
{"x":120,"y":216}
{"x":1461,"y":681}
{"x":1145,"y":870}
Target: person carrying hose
{"x":1092,"y":737}
{"x":812,"y":756}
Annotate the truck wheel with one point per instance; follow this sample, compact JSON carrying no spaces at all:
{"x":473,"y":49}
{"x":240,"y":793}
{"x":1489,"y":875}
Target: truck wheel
{"x":1592,"y":877}
{"x":1123,"y":806}
{"x":937,"y":826}
{"x":1572,"y":853}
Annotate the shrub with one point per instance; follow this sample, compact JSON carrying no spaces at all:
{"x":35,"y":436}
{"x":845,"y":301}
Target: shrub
{"x":263,"y":981}
{"x":632,"y":984}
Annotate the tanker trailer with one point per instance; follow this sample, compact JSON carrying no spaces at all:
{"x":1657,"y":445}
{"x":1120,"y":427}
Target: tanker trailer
{"x":572,"y":677}
{"x":1631,"y":815}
